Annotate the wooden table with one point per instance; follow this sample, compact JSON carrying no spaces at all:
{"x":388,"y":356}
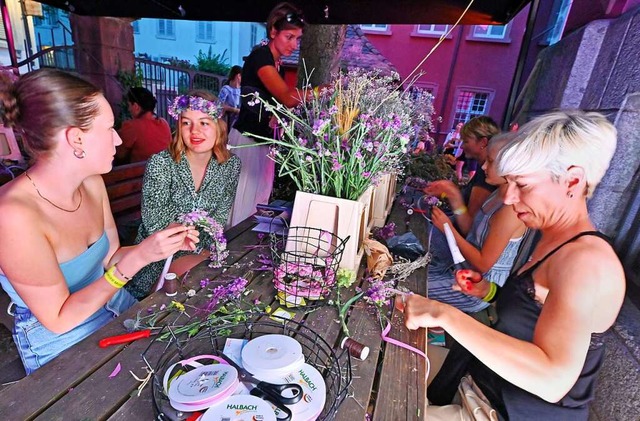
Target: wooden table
{"x":390,"y":384}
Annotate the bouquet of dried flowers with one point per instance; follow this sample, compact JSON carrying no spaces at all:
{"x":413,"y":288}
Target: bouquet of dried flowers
{"x":348,"y":135}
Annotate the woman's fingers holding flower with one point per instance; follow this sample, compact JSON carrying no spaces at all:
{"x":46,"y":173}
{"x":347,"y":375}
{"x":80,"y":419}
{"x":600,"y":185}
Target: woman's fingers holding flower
{"x":439,"y":218}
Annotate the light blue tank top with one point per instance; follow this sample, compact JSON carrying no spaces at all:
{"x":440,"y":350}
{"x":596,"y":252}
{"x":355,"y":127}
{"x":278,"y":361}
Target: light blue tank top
{"x":79,"y":272}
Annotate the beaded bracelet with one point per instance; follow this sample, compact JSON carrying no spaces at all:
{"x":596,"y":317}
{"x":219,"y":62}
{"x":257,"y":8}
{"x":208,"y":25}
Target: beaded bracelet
{"x":491,"y":295}
{"x":110,"y":276}
{"x":120,"y":272}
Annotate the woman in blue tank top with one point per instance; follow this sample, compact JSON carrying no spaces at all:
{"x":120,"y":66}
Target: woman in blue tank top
{"x":60,"y":259}
{"x":490,"y":246}
{"x":543,"y":357}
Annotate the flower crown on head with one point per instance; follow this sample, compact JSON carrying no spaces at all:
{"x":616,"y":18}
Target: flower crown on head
{"x":182,"y":103}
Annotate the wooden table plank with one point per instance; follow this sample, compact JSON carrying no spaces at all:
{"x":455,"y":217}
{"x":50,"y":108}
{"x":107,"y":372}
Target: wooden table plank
{"x":402,"y":391}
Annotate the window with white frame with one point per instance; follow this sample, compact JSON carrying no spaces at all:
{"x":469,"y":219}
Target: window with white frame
{"x":375,"y":28}
{"x":204,"y":32}
{"x":432,"y":29}
{"x":470,"y":104}
{"x":136,"y":26}
{"x":494,"y":32}
{"x":166,"y":29}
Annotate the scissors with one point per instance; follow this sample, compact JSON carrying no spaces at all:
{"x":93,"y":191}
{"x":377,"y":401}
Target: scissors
{"x":278,"y":394}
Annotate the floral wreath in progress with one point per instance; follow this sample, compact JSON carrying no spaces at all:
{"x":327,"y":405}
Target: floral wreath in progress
{"x":218,"y":247}
{"x":184,"y":103}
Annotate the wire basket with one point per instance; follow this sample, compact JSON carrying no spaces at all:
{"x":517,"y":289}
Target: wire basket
{"x":334,"y":368}
{"x":305,"y":262}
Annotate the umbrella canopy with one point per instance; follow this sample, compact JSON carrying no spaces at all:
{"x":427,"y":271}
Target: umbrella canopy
{"x":316,"y":11}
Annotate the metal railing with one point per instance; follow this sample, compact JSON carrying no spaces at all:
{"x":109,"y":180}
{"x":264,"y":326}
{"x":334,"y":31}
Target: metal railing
{"x":167,"y":81}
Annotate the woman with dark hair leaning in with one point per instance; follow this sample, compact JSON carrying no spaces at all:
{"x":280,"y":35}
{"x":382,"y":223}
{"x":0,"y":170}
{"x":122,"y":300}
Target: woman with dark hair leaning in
{"x":261,"y":73}
{"x":60,"y":260}
{"x":543,"y":356}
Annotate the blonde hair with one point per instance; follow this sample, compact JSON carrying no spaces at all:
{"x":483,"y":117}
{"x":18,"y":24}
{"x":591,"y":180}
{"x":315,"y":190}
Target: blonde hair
{"x":559,"y":140}
{"x":220,"y":151}
{"x":479,"y":127}
{"x":498,"y":141}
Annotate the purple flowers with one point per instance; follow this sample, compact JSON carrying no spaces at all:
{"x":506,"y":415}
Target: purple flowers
{"x":218,"y":248}
{"x":223,"y":293}
{"x":184,"y":103}
{"x":384,"y":233}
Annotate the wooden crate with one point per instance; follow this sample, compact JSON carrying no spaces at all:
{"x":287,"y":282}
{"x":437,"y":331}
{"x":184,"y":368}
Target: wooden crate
{"x":384,"y":195}
{"x":342,"y":217}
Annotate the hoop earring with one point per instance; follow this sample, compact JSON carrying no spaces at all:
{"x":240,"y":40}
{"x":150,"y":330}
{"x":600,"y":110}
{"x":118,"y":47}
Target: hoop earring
{"x":80,"y":155}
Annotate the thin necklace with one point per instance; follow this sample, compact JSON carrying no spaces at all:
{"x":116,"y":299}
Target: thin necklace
{"x":50,"y":202}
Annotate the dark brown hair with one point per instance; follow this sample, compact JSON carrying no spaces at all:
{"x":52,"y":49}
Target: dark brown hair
{"x":284,"y":16}
{"x":42,"y":102}
{"x":143,"y":97}
{"x":220,"y":151}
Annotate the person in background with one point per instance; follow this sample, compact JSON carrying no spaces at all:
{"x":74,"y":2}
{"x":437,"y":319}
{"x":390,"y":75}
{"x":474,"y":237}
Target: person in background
{"x":261,"y":73}
{"x":544,"y":354}
{"x":475,"y":138}
{"x":146,"y":133}
{"x":490,"y":246}
{"x":57,"y":232}
{"x":230,"y":96}
{"x":197,"y":172}
{"x":452,"y":144}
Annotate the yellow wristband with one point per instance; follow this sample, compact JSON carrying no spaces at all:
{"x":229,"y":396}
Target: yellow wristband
{"x":462,"y":209}
{"x":110,"y":276}
{"x":493,"y":289}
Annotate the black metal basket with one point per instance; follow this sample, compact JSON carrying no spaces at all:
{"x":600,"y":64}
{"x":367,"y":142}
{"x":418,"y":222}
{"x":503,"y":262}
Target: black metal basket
{"x":335,"y":369}
{"x":305,"y":262}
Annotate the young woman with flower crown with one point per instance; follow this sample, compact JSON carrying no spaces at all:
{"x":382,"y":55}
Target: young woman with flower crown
{"x":196,"y":173}
{"x":57,"y":233}
{"x":261,"y":73}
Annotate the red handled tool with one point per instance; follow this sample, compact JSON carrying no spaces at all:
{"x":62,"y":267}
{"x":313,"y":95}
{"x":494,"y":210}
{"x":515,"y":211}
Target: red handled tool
{"x":123,"y":339}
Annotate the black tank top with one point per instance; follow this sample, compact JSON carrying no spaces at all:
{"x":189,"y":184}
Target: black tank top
{"x":518,"y":313}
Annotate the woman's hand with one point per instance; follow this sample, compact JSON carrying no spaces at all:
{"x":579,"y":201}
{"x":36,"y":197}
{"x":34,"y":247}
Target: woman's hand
{"x":419,"y":311}
{"x":166,"y":242}
{"x":439,"y":218}
{"x":471,"y":283}
{"x":445,"y":189}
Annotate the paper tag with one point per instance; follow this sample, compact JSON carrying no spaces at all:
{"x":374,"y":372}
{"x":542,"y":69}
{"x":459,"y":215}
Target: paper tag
{"x":233,"y":349}
{"x":280,"y":314}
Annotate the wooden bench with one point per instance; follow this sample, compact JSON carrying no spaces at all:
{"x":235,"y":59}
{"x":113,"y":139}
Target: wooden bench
{"x":124,"y":187}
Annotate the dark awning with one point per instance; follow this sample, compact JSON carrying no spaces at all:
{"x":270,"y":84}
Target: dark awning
{"x":316,"y":11}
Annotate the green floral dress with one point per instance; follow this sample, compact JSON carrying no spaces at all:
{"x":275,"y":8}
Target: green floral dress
{"x":168,"y":191}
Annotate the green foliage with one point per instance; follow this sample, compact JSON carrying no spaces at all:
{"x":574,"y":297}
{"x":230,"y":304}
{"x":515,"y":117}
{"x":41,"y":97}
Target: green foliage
{"x":430,"y":167}
{"x":213,"y":63}
{"x":127,"y":80}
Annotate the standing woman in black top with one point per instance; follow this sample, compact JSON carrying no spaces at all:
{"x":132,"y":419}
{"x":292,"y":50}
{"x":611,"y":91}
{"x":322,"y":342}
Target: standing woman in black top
{"x":261,"y":73}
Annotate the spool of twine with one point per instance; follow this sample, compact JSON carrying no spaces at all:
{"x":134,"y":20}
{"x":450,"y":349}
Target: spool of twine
{"x":170,"y":284}
{"x":355,"y":348}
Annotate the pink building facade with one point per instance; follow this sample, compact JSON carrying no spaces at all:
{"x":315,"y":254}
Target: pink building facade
{"x":469,"y":74}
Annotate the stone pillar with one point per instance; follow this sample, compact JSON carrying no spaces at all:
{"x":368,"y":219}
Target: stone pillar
{"x":105,"y":47}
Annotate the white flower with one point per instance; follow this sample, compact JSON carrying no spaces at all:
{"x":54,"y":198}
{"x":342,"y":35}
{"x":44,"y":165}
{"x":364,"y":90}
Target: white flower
{"x":191,"y":293}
